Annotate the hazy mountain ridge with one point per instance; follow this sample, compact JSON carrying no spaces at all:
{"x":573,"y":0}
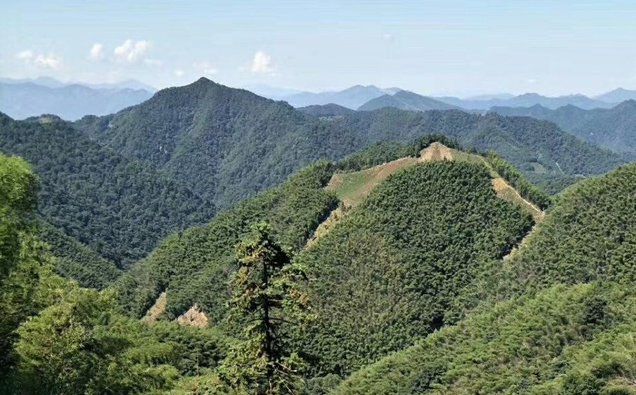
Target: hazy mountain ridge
{"x":228,"y":144}
{"x":613,"y":128}
{"x":405,"y":100}
{"x":356,"y":94}
{"x":21,"y":100}
{"x":351,"y":98}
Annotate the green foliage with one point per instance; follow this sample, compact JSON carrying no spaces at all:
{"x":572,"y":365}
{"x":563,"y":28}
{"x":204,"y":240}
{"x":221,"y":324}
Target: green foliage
{"x":80,"y":346}
{"x":388,"y":273}
{"x":267,"y":302}
{"x":227,"y":144}
{"x":375,"y":154}
{"x":75,"y":260}
{"x":194,"y":266}
{"x":18,"y":187}
{"x":516,"y":179}
{"x":589,"y":235}
{"x":196,"y":349}
{"x":117,"y":207}
{"x":565,"y":339}
{"x":543,"y":344}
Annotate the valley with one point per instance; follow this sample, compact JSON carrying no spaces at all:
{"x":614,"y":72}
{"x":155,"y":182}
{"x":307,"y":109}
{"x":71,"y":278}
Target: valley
{"x":413,"y":246}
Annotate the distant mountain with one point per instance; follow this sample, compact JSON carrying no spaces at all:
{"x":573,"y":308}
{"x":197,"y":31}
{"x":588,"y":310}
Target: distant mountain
{"x":406,"y":100}
{"x":617,"y":96}
{"x":272,"y":92}
{"x":229,"y":144}
{"x":493,"y":96}
{"x":326,"y":110}
{"x":351,"y":98}
{"x":126,"y":84}
{"x":527,"y":100}
{"x":21,"y":100}
{"x":53,"y":83}
{"x":613,"y":128}
{"x":42,"y":81}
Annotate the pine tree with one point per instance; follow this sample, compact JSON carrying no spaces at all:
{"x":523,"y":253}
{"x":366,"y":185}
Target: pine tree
{"x":268,"y":304}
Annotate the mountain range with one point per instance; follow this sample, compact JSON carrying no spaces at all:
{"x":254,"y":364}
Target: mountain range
{"x":357,"y":96}
{"x":422,"y":256}
{"x":352,"y":98}
{"x":613,"y":128}
{"x":21,"y":99}
{"x":405,"y":100}
{"x":210,"y":146}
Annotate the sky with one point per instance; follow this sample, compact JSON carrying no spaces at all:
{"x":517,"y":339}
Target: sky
{"x":433,"y":47}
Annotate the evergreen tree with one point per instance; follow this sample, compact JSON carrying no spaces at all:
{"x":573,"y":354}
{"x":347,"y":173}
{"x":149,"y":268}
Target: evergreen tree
{"x":268,"y":304}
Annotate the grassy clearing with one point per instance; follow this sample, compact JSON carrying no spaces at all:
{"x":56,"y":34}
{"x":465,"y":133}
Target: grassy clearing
{"x":352,"y":188}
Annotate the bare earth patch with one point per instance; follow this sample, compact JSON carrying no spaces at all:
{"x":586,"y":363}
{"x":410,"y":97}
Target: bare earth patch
{"x":157,"y":309}
{"x":436,"y":151}
{"x":194,"y":317}
{"x":326,"y":225}
{"x":507,"y":192}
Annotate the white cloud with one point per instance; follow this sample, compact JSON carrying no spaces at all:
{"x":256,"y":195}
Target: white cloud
{"x":532,"y":81}
{"x":25,"y":56}
{"x":132,"y":51}
{"x":206,"y":68}
{"x":41,"y":61}
{"x":387,"y":37}
{"x":261,"y":63}
{"x":48,"y":62}
{"x":179,"y":73}
{"x":96,"y":52}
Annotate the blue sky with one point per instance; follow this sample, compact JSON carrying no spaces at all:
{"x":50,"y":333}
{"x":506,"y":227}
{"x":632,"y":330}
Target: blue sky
{"x":432,"y":47}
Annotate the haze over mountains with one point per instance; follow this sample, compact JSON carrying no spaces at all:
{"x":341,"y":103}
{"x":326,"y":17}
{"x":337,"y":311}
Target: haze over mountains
{"x":21,"y":99}
{"x":427,"y":246}
{"x":613,"y":128}
{"x":356,"y":96}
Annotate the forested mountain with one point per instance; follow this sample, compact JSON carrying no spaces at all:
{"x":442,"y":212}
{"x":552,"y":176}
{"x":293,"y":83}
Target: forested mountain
{"x":416,"y":263}
{"x":406,"y":100}
{"x":351,"y":98}
{"x":27,"y":99}
{"x":396,"y":241}
{"x":557,"y":319}
{"x":117,"y":207}
{"x":58,"y":338}
{"x":613,"y":128}
{"x":326,"y":110}
{"x":529,"y":100}
{"x":227,"y":144}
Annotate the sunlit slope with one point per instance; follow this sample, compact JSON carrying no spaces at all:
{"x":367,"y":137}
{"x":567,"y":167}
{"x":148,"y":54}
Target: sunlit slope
{"x":556,"y":318}
{"x":387,"y":272}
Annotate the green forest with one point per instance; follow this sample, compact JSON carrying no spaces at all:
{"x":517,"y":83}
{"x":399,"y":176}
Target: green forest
{"x":210,"y":241}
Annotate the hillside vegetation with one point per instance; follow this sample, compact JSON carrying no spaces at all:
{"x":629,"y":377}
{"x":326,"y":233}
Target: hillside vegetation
{"x":193,"y":266}
{"x":613,"y":128}
{"x":58,"y":338}
{"x":387,"y":273}
{"x":557,"y":316}
{"x":416,"y":238}
{"x":228,"y":144}
{"x":115,"y":206}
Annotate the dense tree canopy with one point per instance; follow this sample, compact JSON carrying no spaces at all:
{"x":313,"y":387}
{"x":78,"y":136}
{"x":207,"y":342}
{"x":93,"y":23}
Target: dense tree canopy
{"x":531,"y":333}
{"x":117,"y":207}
